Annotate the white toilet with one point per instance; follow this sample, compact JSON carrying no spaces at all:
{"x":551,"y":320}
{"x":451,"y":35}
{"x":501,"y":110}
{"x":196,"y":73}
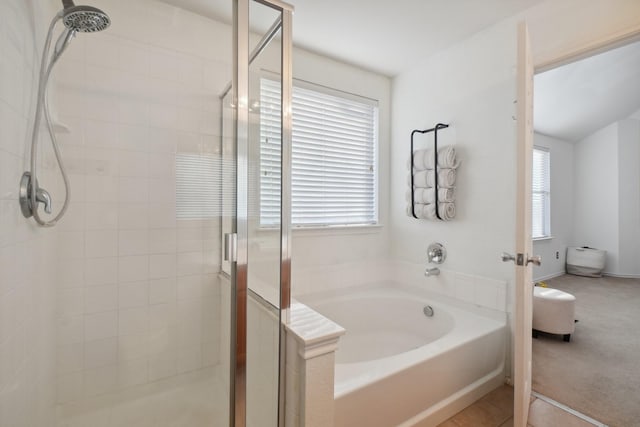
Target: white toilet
{"x":553,"y":312}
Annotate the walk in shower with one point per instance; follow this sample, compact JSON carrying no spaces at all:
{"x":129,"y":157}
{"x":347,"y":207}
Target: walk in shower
{"x":157,"y":299}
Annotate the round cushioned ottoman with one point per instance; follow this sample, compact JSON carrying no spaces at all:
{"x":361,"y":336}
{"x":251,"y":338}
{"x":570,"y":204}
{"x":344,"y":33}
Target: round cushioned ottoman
{"x":553,"y":312}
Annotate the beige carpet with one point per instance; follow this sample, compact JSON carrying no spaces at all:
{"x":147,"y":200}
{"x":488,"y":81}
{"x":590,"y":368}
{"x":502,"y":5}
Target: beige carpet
{"x":598,"y":372}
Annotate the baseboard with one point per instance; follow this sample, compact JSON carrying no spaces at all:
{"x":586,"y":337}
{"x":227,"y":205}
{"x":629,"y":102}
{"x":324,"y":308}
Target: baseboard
{"x":622,"y":276}
{"x":549,"y":276}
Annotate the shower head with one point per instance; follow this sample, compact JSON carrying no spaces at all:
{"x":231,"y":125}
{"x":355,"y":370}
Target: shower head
{"x":84,"y":19}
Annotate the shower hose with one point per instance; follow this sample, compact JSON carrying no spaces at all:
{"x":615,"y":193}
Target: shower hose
{"x":43,"y":105}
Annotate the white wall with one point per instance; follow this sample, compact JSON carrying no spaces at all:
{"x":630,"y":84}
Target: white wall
{"x":27,"y":252}
{"x":562,"y":208}
{"x":478,"y":106}
{"x":607,"y":200}
{"x":471,"y":85}
{"x":629,"y":197}
{"x":596,"y":193}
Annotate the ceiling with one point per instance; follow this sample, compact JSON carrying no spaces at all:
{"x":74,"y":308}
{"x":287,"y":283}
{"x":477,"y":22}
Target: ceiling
{"x":575,"y":100}
{"x":571,"y":102}
{"x":380,"y":35}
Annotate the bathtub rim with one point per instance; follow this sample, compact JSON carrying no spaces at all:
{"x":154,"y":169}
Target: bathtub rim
{"x":369,"y":372}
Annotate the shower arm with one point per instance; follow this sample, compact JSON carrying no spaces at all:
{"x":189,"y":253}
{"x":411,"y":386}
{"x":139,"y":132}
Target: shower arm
{"x":67,"y":4}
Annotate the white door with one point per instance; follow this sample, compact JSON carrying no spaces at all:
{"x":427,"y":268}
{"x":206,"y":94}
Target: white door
{"x":524,"y":285}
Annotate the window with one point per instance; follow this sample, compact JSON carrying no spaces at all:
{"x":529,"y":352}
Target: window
{"x":541,"y":195}
{"x":334,"y":157}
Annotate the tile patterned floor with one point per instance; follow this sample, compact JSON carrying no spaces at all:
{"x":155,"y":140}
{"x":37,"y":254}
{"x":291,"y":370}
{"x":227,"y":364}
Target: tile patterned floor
{"x":496,"y":410}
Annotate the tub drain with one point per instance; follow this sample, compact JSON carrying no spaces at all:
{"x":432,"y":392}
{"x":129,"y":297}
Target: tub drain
{"x":428,"y":311}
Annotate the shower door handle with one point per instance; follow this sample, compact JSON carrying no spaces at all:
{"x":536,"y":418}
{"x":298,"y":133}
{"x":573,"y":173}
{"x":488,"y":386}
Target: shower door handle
{"x":230,"y":247}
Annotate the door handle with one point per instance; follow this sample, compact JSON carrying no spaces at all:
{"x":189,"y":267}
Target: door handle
{"x":507,"y":257}
{"x":519,"y":259}
{"x":535,"y":260}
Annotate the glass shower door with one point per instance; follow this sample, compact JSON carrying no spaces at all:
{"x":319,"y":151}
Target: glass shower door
{"x":256,"y":228}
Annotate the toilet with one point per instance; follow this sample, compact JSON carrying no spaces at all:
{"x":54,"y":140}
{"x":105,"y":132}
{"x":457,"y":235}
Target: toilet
{"x":553,"y":312}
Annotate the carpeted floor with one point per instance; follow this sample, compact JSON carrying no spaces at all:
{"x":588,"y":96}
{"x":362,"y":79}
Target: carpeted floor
{"x":598,"y":372}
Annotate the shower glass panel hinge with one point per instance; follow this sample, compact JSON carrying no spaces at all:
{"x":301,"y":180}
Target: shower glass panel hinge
{"x":230,"y":247}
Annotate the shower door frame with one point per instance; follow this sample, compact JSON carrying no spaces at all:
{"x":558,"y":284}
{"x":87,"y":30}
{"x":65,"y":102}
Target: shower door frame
{"x":242,"y":58}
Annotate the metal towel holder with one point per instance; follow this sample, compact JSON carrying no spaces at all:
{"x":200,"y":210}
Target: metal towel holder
{"x":435,"y":166}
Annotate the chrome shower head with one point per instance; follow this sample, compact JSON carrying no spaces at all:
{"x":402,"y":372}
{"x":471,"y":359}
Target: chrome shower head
{"x":84,"y":19}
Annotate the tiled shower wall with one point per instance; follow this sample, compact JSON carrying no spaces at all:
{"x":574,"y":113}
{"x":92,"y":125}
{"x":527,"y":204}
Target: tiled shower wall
{"x":27,"y":263}
{"x":139,"y":296}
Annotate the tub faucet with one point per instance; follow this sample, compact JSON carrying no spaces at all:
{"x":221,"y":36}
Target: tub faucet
{"x":435,"y":271}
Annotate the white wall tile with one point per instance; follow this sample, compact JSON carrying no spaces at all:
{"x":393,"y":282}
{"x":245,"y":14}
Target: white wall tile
{"x":100,"y":298}
{"x":162,"y":215}
{"x":71,"y":244}
{"x":134,"y":136}
{"x":162,"y":367}
{"x":162,"y":316}
{"x":101,"y":216}
{"x":190,"y":287}
{"x":103,"y":50}
{"x":133,"y":372}
{"x":134,"y":164}
{"x":100,"y":325}
{"x":101,"y":271}
{"x":100,"y":353}
{"x":70,"y":302}
{"x":101,"y":243}
{"x":133,"y":57}
{"x":162,"y":266}
{"x":70,"y":387}
{"x":163,"y":342}
{"x":162,"y":241}
{"x":134,"y":294}
{"x":70,"y":329}
{"x":133,"y":242}
{"x":465,"y":287}
{"x":101,"y":188}
{"x":134,"y":346}
{"x":100,"y":134}
{"x":70,"y":358}
{"x":133,"y":190}
{"x":190,"y":263}
{"x":162,"y":290}
{"x":133,"y":268}
{"x":100,"y":380}
{"x":133,"y":216}
{"x":133,"y":320}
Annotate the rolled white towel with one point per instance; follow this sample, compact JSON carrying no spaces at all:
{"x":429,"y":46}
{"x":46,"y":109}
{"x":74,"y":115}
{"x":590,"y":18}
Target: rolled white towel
{"x":447,"y":211}
{"x":428,"y":195}
{"x":446,"y":178}
{"x":424,"y":159}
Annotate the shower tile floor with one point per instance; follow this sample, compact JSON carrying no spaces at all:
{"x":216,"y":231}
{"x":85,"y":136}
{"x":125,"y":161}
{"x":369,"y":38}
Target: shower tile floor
{"x":196,"y":399}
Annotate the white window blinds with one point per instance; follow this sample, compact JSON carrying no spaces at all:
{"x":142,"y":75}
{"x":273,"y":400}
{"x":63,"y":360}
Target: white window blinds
{"x":541,"y":194}
{"x":334,"y":157}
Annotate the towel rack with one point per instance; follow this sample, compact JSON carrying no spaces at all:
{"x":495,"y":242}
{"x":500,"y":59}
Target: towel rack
{"x":435,"y":166}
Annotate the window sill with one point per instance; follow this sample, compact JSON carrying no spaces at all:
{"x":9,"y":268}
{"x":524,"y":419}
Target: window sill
{"x":543,"y":238}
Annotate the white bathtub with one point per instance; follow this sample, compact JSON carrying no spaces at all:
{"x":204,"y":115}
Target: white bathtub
{"x":396,"y":366}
